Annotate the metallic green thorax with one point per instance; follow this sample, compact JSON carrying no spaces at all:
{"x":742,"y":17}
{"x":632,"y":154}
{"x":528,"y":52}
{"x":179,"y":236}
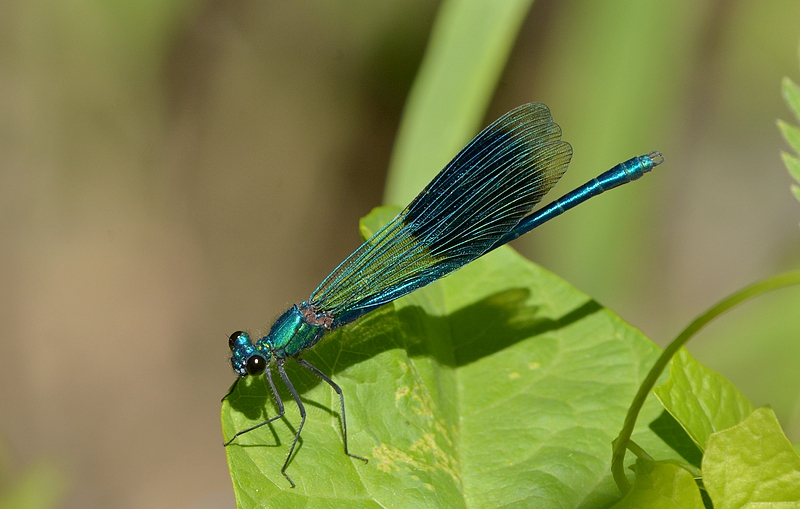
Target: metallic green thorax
{"x":297,"y":329}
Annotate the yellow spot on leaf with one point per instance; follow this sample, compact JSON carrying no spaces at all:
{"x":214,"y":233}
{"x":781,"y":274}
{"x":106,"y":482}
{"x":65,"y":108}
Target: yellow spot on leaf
{"x":424,"y":455}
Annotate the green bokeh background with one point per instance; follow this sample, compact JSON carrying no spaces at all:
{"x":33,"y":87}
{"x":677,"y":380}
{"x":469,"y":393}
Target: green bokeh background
{"x":173,"y":171}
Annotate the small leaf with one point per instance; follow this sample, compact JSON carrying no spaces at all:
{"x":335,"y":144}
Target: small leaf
{"x":661,"y":485}
{"x":752,"y":463}
{"x":791,"y":93}
{"x":792,"y":164}
{"x":700,"y":399}
{"x":791,"y":133}
{"x":376,"y":219}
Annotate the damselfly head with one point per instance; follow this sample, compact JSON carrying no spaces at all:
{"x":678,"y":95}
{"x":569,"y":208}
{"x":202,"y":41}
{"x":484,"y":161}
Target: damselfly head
{"x":245,"y":359}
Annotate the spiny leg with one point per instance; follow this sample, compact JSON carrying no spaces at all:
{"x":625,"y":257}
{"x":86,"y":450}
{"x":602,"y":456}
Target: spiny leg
{"x":302,"y":409}
{"x":338,"y":390}
{"x":280,"y":411}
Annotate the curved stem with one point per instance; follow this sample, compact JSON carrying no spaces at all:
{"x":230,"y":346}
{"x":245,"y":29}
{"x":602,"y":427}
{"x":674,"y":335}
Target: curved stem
{"x":621,"y":442}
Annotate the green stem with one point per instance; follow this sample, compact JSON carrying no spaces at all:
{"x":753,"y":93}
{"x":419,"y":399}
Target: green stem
{"x":638,"y":451}
{"x":621,"y":442}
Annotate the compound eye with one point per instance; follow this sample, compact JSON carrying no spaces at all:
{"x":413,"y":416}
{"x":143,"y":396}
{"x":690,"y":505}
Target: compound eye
{"x":256,"y":365}
{"x":233,"y":340}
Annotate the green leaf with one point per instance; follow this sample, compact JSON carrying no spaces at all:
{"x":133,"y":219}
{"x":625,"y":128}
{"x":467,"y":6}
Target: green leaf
{"x":661,"y":485}
{"x":377,"y":219}
{"x":792,"y":164}
{"x":791,"y":133}
{"x":498,"y":385}
{"x":468,"y":48}
{"x":752,"y":463}
{"x":791,"y":93}
{"x":700,"y":399}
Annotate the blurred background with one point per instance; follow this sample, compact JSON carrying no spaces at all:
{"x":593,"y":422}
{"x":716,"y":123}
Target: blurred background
{"x":175,"y":170}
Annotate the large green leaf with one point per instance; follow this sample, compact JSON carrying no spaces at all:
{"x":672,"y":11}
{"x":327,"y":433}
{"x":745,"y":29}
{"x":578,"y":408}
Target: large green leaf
{"x":752,"y":464}
{"x":700,"y":399}
{"x":500,"y":385}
